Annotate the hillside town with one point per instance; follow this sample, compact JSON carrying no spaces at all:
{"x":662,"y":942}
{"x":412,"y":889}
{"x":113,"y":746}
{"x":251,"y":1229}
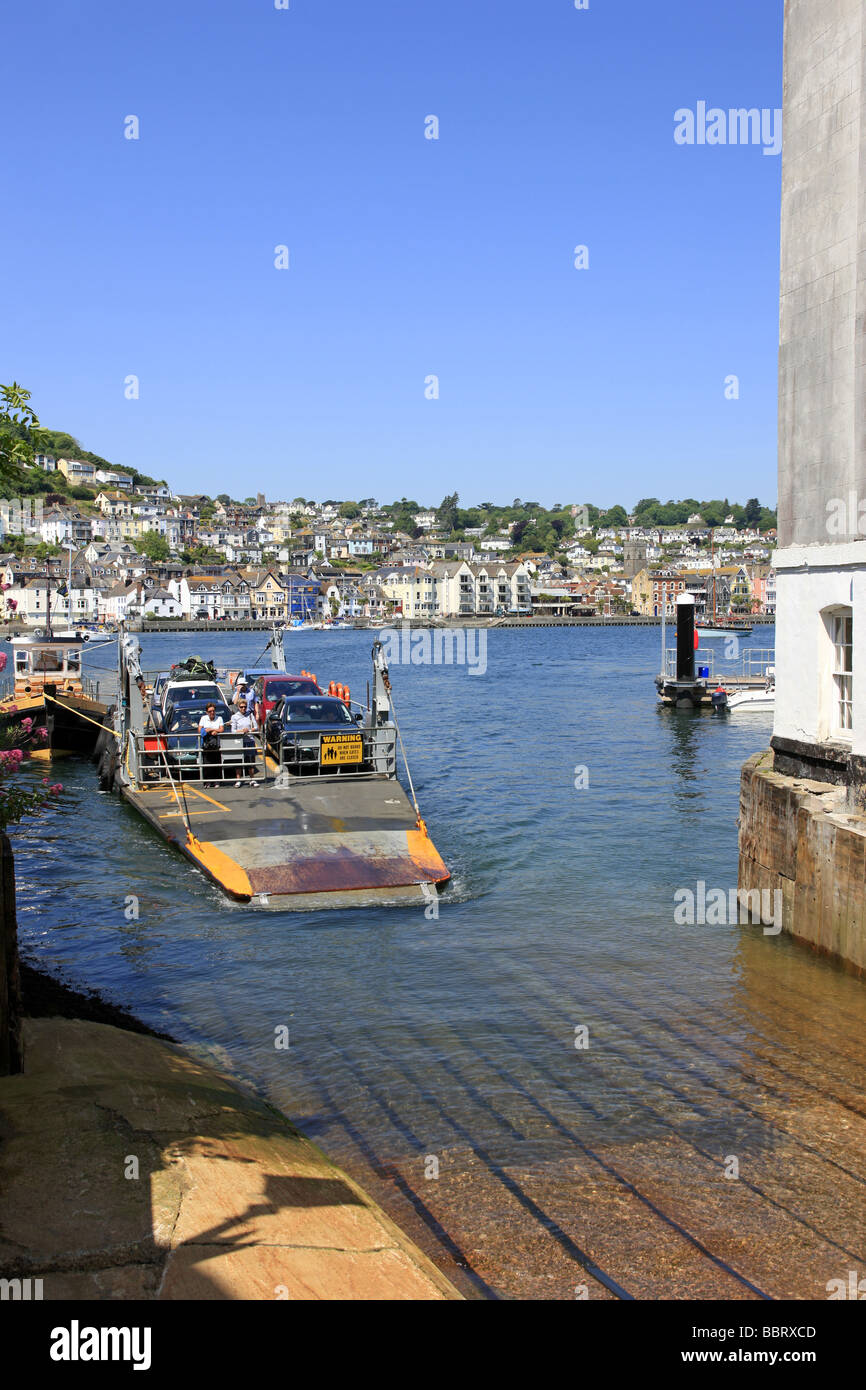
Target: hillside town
{"x":111,"y":546}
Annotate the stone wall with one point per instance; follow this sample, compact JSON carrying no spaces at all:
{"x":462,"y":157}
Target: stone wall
{"x":799,"y":836}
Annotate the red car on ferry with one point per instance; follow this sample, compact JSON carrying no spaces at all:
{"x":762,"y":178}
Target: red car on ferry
{"x":269,"y":690}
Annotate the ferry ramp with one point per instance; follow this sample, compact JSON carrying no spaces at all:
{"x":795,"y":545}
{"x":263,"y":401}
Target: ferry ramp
{"x":317,"y":843}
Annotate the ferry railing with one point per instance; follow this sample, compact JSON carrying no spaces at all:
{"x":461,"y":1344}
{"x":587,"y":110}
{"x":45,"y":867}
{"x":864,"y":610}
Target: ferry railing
{"x":164,"y":757}
{"x":318,"y":753}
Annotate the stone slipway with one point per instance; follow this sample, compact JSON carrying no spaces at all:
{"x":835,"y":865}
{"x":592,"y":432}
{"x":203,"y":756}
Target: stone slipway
{"x":230,"y":1202}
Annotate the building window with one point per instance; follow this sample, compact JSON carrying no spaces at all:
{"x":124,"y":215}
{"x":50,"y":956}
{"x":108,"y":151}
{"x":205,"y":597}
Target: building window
{"x":843,"y":671}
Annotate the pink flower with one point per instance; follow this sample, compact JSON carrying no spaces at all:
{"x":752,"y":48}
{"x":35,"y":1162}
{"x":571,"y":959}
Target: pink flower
{"x":56,"y":789}
{"x":45,"y":781}
{"x":42,"y":733}
{"x":11,"y":709}
{"x":3,"y":659}
{"x":27,"y":725}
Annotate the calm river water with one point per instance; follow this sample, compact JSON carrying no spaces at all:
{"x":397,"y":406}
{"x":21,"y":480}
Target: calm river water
{"x":709,"y":1139}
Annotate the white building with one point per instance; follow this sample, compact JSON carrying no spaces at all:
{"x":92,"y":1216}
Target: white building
{"x":803,"y":811}
{"x":162,"y":604}
{"x":110,"y":478}
{"x":121,"y":602}
{"x":56,"y":527}
{"x":821,"y":559}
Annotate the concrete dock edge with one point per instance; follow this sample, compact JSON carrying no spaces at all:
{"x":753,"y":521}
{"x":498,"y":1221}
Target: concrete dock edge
{"x":130,"y":1169}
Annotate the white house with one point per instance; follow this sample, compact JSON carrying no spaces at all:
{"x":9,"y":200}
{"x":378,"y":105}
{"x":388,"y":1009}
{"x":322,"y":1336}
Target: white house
{"x":121,"y":602}
{"x":162,"y":604}
{"x":110,"y":478}
{"x":56,"y":527}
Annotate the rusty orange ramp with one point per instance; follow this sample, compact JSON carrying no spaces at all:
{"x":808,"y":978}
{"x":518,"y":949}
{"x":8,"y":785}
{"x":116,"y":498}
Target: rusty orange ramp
{"x":315,"y":844}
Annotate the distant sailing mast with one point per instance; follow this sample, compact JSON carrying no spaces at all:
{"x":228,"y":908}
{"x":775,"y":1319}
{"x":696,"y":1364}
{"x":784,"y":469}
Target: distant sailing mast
{"x":712,"y":627}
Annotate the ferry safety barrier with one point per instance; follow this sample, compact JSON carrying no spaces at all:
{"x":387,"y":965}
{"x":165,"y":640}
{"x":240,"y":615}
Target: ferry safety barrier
{"x":164,"y":757}
{"x":154,"y":757}
{"x":336,"y":754}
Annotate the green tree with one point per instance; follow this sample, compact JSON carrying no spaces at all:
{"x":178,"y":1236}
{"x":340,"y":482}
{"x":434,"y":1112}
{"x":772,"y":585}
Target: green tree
{"x":201,"y":555}
{"x":154,"y":546}
{"x":20,"y":433}
{"x":447,"y":518}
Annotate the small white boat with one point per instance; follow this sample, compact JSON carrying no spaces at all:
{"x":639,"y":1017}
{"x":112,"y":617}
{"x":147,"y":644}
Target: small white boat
{"x":758,"y":701}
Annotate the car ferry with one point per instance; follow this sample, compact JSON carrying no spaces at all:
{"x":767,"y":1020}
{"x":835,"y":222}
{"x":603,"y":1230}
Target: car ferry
{"x":303,"y":812}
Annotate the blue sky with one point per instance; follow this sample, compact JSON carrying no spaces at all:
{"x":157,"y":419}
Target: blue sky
{"x":409,"y":257}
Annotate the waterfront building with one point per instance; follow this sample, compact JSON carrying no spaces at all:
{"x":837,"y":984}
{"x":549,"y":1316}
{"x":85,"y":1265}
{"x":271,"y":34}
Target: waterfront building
{"x":794,"y":836}
{"x":821,"y":558}
{"x":159,"y":603}
{"x":655,"y":592}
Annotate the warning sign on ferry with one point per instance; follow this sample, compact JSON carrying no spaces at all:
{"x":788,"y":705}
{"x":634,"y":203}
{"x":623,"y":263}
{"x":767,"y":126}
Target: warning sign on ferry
{"x":342,"y":748}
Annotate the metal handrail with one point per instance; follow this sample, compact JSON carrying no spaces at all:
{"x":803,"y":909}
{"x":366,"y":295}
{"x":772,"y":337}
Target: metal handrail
{"x":161,"y":756}
{"x":757,"y":659}
{"x":754,"y":661}
{"x":704,"y":656}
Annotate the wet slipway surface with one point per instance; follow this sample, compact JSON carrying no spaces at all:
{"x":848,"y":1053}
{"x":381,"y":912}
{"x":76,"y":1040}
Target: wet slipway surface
{"x":556,"y":1089}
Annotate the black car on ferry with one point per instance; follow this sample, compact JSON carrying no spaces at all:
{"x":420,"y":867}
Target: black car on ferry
{"x":312,"y":733}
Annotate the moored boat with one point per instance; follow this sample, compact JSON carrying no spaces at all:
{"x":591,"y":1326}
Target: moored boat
{"x":49,"y":690}
{"x":722,"y":629}
{"x":753,"y":701}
